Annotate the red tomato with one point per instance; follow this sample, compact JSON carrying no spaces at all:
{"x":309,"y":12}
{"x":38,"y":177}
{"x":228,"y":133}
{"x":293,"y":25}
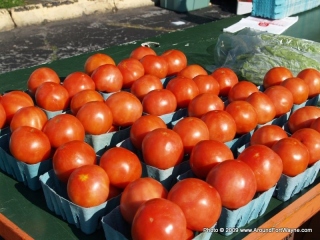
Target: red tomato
{"x":13,"y":101}
{"x":126,"y":108}
{"x":82,"y":97}
{"x":191,"y":71}
{"x":199,"y":201}
{"x":155,"y":65}
{"x":29,"y":145}
{"x":95,"y":61}
{"x":96,"y":117}
{"x":71,"y":155}
{"x":31,"y":116}
{"x":267,"y":135}
{"x":162,"y":148}
{"x":145,"y":84}
{"x":226,"y":78}
{"x":39,"y":76}
{"x":3,"y":116}
{"x":159,"y":102}
{"x":138,"y":192}
{"x":311,"y":139}
{"x":131,"y":69}
{"x":63,"y":128}
{"x":312,"y":78}
{"x":176,"y":61}
{"x":303,"y":117}
{"x":52,"y":96}
{"x":161,"y":218}
{"x":222,"y":127}
{"x":275,"y":76}
{"x":203,"y":103}
{"x":265,"y":163}
{"x":191,"y":130}
{"x":281,"y":97}
{"x":263,"y":105}
{"x":88,"y":186}
{"x":142,"y":126}
{"x":235,"y":182}
{"x":107,"y":78}
{"x":242,"y":90}
{"x":184,"y":89}
{"x":206,"y":154}
{"x":299,"y":89}
{"x":121,"y":165}
{"x":244,"y":114}
{"x":207,"y":84}
{"x":295,"y":156}
{"x":78,"y":81}
{"x":142,"y":51}
{"x":316,"y":124}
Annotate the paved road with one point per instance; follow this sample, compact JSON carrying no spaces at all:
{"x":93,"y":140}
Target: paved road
{"x":35,"y":45}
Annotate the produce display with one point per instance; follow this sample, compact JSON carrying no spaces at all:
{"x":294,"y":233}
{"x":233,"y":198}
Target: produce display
{"x":160,"y":143}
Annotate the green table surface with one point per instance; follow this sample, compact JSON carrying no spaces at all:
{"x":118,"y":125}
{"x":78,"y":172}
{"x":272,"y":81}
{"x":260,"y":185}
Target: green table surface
{"x":28,"y":209}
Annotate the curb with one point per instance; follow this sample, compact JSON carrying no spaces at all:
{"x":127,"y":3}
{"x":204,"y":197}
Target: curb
{"x":36,"y":14}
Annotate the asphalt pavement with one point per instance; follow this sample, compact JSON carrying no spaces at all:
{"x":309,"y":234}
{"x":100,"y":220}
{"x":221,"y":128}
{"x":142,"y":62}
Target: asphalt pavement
{"x":38,"y":44}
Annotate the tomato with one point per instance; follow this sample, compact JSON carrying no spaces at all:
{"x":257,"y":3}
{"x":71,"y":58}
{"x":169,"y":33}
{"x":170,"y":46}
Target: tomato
{"x":226,"y":78}
{"x":141,"y":51}
{"x":263,"y":105}
{"x":267,"y":135}
{"x":142,"y":126}
{"x":88,"y":186}
{"x":184,"y":89}
{"x":107,"y":78}
{"x":13,"y":101}
{"x":52,"y":97}
{"x":78,"y":81}
{"x":222,"y":127}
{"x":199,"y":201}
{"x":191,"y":130}
{"x":136,"y":193}
{"x":39,"y":76}
{"x":206,"y":154}
{"x":189,"y":235}
{"x":162,"y":148}
{"x":176,"y":61}
{"x":303,"y":117}
{"x":161,"y":218}
{"x":145,"y":84}
{"x":312,"y":78}
{"x":63,"y":128}
{"x":299,"y":89}
{"x":29,"y":116}
{"x":3,"y":116}
{"x":244,"y":114}
{"x":275,"y":76}
{"x":159,"y":102}
{"x":235,"y":182}
{"x":82,"y":97}
{"x":192,"y":70}
{"x":126,"y":108}
{"x":265,"y":163}
{"x":242,"y":90}
{"x":131,"y":69}
{"x":155,"y":65}
{"x":295,"y":155}
{"x":203,"y":103}
{"x":316,"y":124}
{"x":71,"y":155}
{"x":29,"y":145}
{"x":281,"y":97}
{"x":121,"y":165}
{"x":96,"y":60}
{"x":311,"y":139}
{"x":96,"y":117}
{"x":207,"y":84}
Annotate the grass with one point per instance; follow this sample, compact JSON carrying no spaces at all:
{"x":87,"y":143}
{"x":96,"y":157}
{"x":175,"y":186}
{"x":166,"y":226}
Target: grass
{"x":11,"y":3}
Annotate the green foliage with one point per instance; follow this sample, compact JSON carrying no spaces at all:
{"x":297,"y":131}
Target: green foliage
{"x":11,"y":3}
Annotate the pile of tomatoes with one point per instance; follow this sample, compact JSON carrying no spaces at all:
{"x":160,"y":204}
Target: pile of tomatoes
{"x":135,"y":94}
